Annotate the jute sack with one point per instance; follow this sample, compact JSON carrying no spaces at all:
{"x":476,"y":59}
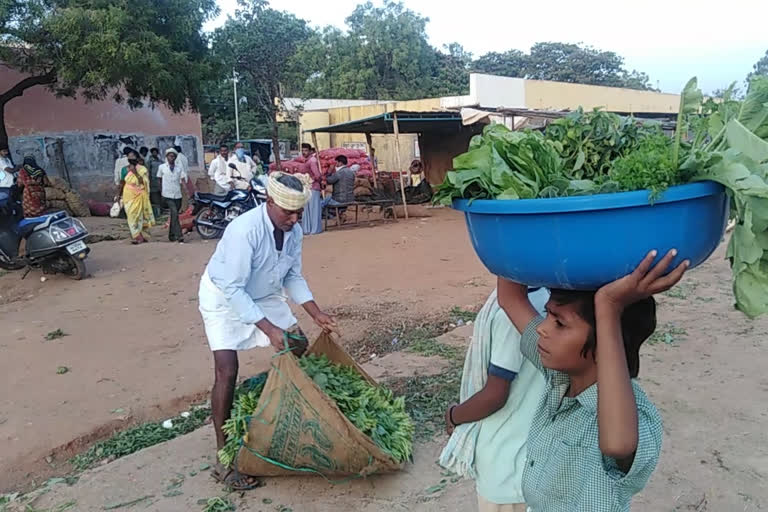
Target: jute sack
{"x":298,"y":429}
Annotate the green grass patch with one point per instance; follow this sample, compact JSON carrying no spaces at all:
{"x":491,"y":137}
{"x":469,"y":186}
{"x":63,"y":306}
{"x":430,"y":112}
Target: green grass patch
{"x":431,"y":347}
{"x":464,"y":315}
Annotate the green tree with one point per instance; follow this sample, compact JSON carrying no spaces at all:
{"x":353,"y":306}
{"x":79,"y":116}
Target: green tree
{"x":574,"y":63}
{"x":384,"y":54}
{"x":135,"y":51}
{"x":761,"y":66}
{"x":261,"y":44}
{"x":563,"y":62}
{"x":510,"y":63}
{"x":217,"y":114}
{"x":451,"y":75}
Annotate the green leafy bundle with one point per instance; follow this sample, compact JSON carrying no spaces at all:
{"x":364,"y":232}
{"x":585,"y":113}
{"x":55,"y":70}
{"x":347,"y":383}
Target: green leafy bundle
{"x":730,"y":146}
{"x":372,"y":409}
{"x":589,"y":142}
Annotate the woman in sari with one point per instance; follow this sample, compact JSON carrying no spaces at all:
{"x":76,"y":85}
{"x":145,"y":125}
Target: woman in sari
{"x":32,"y":180}
{"x":134,"y":189}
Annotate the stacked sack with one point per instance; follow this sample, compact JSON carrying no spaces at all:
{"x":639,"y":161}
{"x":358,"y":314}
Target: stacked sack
{"x":60,"y":196}
{"x":298,"y":164}
{"x":363,"y":188}
{"x":327,"y":159}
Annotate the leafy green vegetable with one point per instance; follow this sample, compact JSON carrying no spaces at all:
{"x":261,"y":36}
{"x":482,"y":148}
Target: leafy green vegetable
{"x":650,"y":166}
{"x":589,"y":142}
{"x":372,"y":409}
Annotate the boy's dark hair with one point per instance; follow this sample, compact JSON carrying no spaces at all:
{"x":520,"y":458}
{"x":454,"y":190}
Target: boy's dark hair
{"x":306,"y":146}
{"x":223,"y":146}
{"x":638,"y":322}
{"x":128,"y":149}
{"x":291,"y":182}
{"x":342,"y":159}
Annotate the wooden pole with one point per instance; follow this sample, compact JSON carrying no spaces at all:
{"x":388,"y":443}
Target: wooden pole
{"x":399,"y":162}
{"x":314,"y":141}
{"x":371,"y":154}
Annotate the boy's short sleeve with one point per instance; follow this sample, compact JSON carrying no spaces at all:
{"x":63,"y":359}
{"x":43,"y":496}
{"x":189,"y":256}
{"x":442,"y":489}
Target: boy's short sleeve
{"x":650,"y":431}
{"x":506,"y":357}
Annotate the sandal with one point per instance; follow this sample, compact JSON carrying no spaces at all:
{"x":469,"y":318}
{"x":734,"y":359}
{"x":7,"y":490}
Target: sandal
{"x":235,"y":480}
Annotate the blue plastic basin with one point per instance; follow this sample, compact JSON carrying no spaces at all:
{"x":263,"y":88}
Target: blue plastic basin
{"x":584,"y":242}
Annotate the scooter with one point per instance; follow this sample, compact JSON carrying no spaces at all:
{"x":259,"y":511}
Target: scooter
{"x":213,"y":213}
{"x":54,"y":242}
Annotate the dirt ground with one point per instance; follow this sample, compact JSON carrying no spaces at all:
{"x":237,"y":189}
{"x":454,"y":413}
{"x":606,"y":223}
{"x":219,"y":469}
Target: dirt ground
{"x":135,"y":343}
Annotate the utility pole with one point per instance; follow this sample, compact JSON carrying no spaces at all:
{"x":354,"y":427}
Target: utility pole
{"x":237,"y":118}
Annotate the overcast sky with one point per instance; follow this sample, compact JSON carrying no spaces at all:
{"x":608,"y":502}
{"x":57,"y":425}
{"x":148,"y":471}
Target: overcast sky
{"x":671,"y":40}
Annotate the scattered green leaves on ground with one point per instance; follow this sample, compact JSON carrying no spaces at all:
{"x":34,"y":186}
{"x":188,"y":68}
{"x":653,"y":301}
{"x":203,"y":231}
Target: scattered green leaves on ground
{"x":217,"y":504}
{"x":128,"y":503}
{"x":61,"y":370}
{"x":667,"y":334}
{"x":54,"y":335}
{"x":139,"y":437}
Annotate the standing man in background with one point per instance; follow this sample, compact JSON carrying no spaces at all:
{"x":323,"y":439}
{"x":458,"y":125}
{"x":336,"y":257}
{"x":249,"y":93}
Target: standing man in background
{"x":153,"y":165}
{"x":245,"y":167}
{"x":121,"y":163}
{"x":245,"y":161}
{"x":181,"y":159}
{"x":218,"y":171}
{"x":312,"y":220}
{"x":171,"y":175}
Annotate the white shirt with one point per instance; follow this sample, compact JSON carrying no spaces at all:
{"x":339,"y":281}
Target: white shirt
{"x":5,"y":163}
{"x":181,"y":159}
{"x":213,"y":168}
{"x":244,"y":170}
{"x":249,"y":270}
{"x":172,"y":180}
{"x":6,"y":178}
{"x":119,"y":164}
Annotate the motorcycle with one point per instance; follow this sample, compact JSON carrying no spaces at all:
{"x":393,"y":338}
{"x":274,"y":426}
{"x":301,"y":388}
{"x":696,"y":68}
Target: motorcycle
{"x":54,"y":242}
{"x":213,"y":213}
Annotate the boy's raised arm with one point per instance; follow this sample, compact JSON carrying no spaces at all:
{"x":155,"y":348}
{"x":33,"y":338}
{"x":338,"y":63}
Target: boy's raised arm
{"x":513,"y":299}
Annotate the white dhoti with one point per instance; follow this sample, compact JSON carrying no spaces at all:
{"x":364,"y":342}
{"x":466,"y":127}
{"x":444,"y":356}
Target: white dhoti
{"x":223,"y":327}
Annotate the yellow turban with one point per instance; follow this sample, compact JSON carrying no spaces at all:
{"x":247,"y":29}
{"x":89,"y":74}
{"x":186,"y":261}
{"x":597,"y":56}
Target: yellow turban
{"x":286,"y":197}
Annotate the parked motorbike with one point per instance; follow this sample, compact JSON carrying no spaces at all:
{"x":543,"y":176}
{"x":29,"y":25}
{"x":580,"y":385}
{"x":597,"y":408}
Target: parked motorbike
{"x":213,"y":213}
{"x":54,"y":242}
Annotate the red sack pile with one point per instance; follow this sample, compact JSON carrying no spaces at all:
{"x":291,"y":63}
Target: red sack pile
{"x":327,"y":159}
{"x":298,"y":164}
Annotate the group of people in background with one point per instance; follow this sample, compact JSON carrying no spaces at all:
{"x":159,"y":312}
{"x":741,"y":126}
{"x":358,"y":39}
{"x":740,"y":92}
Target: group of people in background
{"x":148,"y":184}
{"x":30,"y":178}
{"x":232,"y":171}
